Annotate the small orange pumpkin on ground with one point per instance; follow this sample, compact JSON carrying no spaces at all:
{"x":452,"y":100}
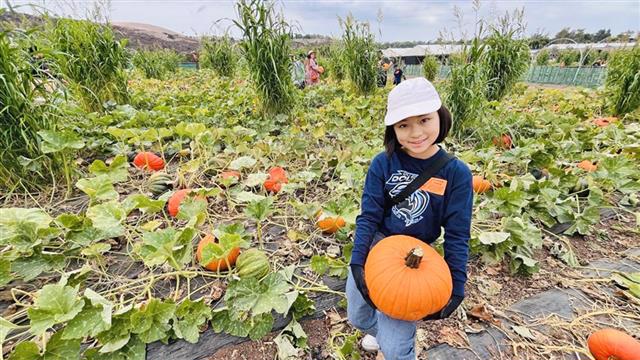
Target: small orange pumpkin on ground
{"x":587,"y":166}
{"x":277,"y":177}
{"x":173,"y":205}
{"x":504,"y":141}
{"x":602,"y":122}
{"x":330,"y":224}
{"x":480,"y":184}
{"x":407,"y":278}
{"x":148,"y":161}
{"x":220,"y":263}
{"x":612,"y":344}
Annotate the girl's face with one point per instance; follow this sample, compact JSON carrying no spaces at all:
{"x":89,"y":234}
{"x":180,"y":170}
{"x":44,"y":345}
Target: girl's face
{"x":417,"y":134}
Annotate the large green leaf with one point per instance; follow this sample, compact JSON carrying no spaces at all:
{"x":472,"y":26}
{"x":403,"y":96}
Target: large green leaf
{"x":108,"y":218}
{"x":54,"y":304}
{"x":24,"y":228}
{"x":57,"y":349}
{"x":144,"y":203}
{"x":99,"y":188}
{"x":189,"y":318}
{"x":53,"y":141}
{"x":116,"y":172}
{"x":94,"y":318}
{"x":166,"y":245}
{"x":259,"y":297}
{"x":151,"y":321}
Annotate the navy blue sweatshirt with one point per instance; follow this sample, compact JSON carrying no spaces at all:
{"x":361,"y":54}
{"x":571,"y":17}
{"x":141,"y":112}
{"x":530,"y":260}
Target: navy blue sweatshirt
{"x":422,"y":214}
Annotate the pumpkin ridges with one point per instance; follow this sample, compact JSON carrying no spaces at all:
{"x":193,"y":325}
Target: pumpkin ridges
{"x":398,"y":290}
{"x":606,"y":344}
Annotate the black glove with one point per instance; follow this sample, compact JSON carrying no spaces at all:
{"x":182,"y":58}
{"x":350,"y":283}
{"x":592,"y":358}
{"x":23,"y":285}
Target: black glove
{"x":358,"y":277}
{"x":451,"y":306}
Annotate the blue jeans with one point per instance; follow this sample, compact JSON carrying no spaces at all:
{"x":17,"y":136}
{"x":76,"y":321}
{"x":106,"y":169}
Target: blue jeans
{"x":395,"y":337}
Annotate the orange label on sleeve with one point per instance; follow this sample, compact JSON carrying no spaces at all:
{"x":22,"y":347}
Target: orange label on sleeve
{"x":435,"y":185}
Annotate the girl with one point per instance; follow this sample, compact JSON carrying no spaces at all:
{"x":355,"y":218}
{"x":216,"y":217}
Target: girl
{"x":312,"y":69}
{"x":416,"y":121}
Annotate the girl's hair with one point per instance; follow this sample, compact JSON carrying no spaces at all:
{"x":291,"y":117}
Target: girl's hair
{"x":392,"y":145}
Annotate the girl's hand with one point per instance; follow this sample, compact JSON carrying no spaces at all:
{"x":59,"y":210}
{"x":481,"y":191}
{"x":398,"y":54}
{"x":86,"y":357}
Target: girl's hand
{"x":358,"y":277}
{"x":451,"y":306}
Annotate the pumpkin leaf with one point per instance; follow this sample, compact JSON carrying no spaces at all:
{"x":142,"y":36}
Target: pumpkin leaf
{"x":166,"y":245}
{"x":53,"y":141}
{"x":190,"y":316}
{"x":5,"y":328}
{"x":54,"y":304}
{"x":493,"y":237}
{"x":116,"y":172}
{"x":108,"y":217}
{"x":255,"y":179}
{"x":242,"y":162}
{"x":134,"y":349}
{"x":142,"y":202}
{"x":57,"y":349}
{"x":151,"y":321}
{"x":99,"y":188}
{"x":24,"y":228}
{"x":259,"y":297}
{"x":259,"y":210}
{"x":245,"y":196}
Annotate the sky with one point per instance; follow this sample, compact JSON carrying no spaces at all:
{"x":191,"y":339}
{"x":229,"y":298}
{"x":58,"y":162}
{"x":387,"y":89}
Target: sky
{"x":399,"y":20}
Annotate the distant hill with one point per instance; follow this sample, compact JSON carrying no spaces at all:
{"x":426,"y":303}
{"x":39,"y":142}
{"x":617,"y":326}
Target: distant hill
{"x":146,"y":36}
{"x":140,"y":36}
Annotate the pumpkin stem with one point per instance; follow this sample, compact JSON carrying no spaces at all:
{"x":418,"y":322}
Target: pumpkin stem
{"x":414,"y":257}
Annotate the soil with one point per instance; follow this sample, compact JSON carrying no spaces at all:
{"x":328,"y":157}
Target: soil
{"x":493,"y":285}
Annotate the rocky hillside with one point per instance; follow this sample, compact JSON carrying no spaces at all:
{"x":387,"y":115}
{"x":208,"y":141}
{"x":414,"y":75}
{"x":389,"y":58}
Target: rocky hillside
{"x":140,"y":36}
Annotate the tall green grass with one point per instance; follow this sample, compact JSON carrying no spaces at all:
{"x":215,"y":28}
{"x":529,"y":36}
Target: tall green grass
{"x":623,"y":81}
{"x":219,"y":54}
{"x":430,"y":67}
{"x":266,"y":45}
{"x":92,"y":60}
{"x":25,"y":109}
{"x":506,"y":58}
{"x":157,"y":64}
{"x":360,"y":54}
{"x":335,"y":61}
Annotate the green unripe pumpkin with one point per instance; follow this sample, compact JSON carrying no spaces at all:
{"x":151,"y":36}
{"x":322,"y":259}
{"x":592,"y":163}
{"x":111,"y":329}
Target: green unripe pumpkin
{"x":252,"y":263}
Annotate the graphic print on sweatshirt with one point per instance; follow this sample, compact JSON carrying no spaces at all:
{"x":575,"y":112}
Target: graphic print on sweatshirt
{"x":411,"y":209}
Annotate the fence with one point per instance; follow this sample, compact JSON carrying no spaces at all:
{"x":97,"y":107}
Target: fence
{"x":584,"y":76}
{"x":575,"y":76}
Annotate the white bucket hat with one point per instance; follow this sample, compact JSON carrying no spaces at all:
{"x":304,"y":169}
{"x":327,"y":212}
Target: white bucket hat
{"x":411,"y":97}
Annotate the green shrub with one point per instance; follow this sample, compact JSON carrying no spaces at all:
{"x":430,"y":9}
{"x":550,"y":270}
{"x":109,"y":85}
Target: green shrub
{"x":430,"y":67}
{"x":623,"y":81}
{"x":266,"y":47}
{"x":157,"y":64}
{"x":542,"y":59}
{"x":92,"y":60}
{"x":360,"y":54}
{"x":218,"y":54}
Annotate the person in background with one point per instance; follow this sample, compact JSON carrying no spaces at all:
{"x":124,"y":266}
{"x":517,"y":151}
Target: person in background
{"x":195,"y":58}
{"x":383,"y":66}
{"x":313,"y":71}
{"x":297,"y":71}
{"x":398,"y":75}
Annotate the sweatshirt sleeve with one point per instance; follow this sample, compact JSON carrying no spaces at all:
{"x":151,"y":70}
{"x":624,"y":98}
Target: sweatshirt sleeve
{"x":457,"y":227}
{"x":371,"y":213}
